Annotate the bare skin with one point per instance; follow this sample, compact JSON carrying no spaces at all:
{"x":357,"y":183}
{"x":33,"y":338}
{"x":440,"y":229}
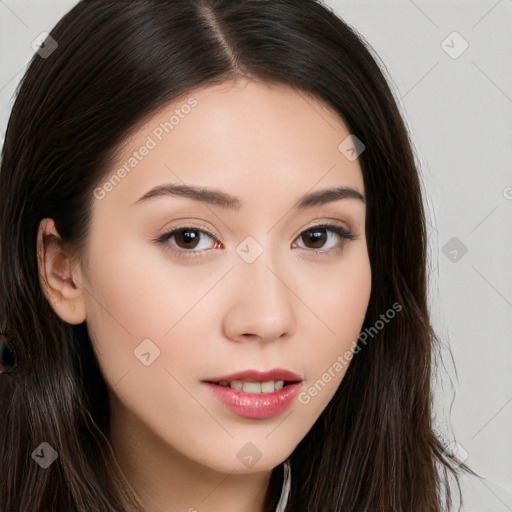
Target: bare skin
{"x":214,"y":313}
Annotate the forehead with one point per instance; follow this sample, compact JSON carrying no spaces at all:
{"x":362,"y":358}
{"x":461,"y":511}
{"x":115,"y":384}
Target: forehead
{"x":243,"y":136}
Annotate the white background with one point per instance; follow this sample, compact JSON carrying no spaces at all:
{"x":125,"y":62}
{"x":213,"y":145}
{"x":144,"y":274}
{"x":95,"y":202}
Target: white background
{"x":459,"y":112}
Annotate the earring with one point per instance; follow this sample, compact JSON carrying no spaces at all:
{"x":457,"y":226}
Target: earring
{"x":7,"y":357}
{"x":285,"y":490}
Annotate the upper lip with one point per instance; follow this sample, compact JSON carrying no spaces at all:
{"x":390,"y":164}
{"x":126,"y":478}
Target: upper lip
{"x":259,"y":376}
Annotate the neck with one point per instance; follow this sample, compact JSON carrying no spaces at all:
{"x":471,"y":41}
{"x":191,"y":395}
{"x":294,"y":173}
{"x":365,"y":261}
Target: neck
{"x":167,"y":481}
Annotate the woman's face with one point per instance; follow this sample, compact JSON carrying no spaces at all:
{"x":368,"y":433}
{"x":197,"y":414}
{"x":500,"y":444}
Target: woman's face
{"x":245,"y":284}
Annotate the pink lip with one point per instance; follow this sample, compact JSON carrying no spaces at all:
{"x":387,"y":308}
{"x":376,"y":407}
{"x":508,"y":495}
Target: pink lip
{"x":256,"y":405}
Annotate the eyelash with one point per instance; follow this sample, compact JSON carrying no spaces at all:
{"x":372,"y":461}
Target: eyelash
{"x":338,"y":230}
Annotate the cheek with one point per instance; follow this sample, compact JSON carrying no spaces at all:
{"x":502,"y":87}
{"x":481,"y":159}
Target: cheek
{"x":339,"y":302}
{"x":338,"y":295}
{"x":137,"y":293}
{"x":141,"y":289}
{"x":122,"y":303}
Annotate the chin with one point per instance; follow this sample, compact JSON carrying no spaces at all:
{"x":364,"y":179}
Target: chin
{"x":247,"y":458}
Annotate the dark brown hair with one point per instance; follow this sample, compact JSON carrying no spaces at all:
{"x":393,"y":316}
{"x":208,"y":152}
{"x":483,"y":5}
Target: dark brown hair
{"x":373,"y":447}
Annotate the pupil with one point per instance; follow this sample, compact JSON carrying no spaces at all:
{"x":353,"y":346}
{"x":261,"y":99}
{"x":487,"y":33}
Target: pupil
{"x":186,"y":236}
{"x":317,"y":236}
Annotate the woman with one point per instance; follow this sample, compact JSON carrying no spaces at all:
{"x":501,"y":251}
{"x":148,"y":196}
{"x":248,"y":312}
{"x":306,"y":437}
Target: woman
{"x":213,"y":257}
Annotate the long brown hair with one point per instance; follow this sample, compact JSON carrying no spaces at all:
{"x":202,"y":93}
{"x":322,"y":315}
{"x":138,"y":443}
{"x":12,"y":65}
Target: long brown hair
{"x":373,"y":448}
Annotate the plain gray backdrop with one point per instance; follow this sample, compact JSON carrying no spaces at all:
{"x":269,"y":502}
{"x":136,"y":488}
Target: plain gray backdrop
{"x":449,"y":65}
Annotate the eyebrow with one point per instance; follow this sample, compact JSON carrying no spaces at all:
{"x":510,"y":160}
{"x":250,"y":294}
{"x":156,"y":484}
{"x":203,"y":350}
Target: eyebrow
{"x":227,"y":201}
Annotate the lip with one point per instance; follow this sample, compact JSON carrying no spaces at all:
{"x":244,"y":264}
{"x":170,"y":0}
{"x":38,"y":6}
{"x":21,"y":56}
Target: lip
{"x":256,"y":405}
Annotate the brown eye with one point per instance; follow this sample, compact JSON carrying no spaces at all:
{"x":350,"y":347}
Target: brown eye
{"x":187,"y":238}
{"x":189,"y":241}
{"x":317,"y":238}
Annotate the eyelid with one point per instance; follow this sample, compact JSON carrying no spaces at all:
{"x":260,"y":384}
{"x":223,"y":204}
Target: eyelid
{"x":326,"y":216}
{"x":328,"y":222}
{"x":191,"y":225}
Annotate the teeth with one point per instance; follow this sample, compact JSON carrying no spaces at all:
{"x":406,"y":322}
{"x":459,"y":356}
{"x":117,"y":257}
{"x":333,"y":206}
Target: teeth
{"x":267,"y":387}
{"x":254,"y":387}
{"x":251,"y":387}
{"x":236,"y":384}
{"x":279,"y":384}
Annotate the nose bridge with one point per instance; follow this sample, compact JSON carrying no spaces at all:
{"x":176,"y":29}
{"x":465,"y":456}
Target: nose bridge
{"x":261,"y":304}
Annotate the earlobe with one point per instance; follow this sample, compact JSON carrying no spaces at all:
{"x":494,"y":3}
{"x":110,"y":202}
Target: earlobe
{"x":59,"y":278}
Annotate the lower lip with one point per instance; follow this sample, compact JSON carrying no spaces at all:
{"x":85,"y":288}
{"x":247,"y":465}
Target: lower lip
{"x":255,"y":405}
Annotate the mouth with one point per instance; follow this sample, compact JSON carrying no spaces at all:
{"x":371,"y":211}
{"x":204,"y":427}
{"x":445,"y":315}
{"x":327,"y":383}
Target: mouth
{"x":268,"y":386}
{"x":255,"y":381}
{"x":256,"y":394}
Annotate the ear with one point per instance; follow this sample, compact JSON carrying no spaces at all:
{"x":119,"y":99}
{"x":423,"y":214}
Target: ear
{"x":58,"y":275}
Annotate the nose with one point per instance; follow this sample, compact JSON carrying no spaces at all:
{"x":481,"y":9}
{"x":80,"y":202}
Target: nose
{"x":261,"y":306}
